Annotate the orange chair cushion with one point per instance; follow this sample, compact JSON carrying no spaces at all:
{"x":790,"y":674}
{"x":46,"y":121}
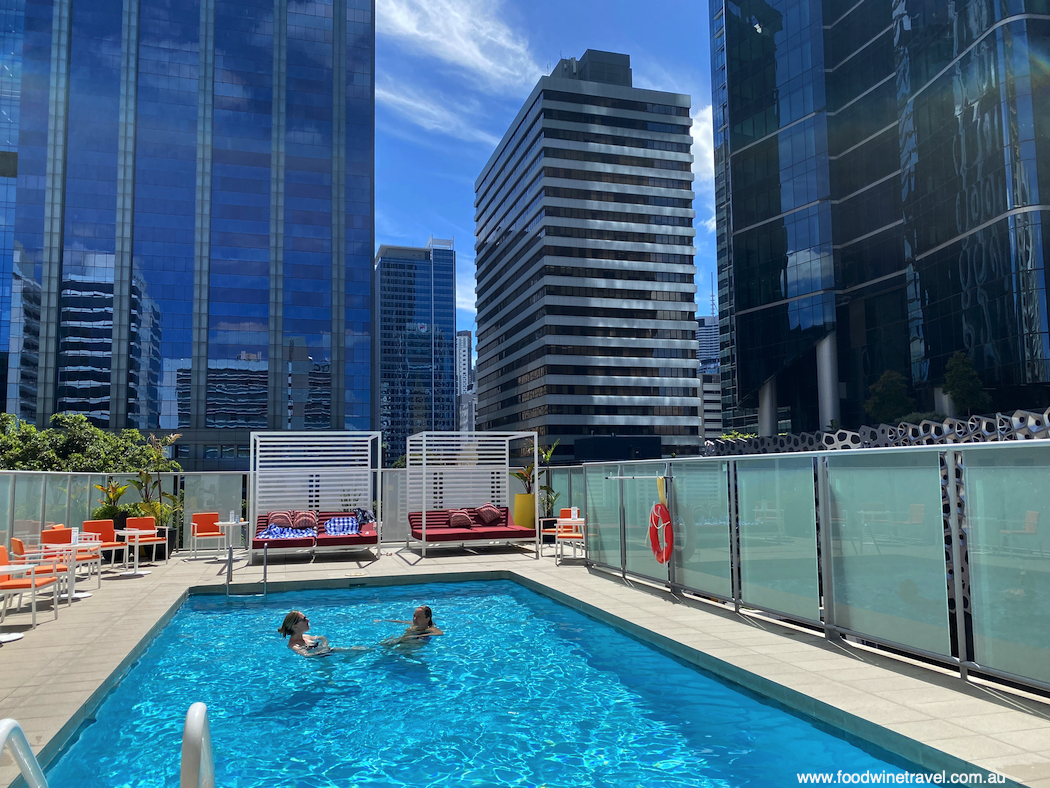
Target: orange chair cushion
{"x":57,"y":536}
{"x":38,"y":582}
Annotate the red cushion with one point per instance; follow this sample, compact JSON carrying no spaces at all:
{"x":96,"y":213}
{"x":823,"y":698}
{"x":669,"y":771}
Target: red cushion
{"x":476,"y":534}
{"x":488,"y":513}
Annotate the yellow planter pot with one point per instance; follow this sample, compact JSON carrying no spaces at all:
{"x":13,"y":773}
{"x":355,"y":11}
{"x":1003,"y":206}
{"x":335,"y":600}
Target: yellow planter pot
{"x":525,"y":510}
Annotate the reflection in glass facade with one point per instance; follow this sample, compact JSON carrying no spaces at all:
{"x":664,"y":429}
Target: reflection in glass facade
{"x":415,"y":347}
{"x":878,"y":169}
{"x":186,"y":207}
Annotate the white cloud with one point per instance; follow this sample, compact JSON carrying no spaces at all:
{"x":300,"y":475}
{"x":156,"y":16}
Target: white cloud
{"x":465,"y":297}
{"x":704,"y":162}
{"x":466,"y":34}
{"x":433,"y":113}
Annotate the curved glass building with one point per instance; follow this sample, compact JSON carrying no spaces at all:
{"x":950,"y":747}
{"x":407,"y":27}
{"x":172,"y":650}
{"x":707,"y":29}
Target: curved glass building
{"x":879,"y":167}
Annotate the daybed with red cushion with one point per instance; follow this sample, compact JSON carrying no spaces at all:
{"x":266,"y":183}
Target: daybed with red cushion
{"x":441,"y":531}
{"x":367,"y":536}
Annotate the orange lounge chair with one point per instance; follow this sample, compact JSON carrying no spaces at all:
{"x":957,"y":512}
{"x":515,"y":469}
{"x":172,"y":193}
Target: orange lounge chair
{"x":16,"y":586}
{"x":205,"y":525}
{"x":104,"y":530}
{"x":148,"y":524}
{"x":40,"y":556}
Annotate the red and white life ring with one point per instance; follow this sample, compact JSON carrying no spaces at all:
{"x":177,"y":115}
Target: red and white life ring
{"x":660,"y":520}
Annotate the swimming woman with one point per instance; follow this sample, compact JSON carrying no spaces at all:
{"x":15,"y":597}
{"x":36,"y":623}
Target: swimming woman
{"x":421,"y":627}
{"x":296,"y":625}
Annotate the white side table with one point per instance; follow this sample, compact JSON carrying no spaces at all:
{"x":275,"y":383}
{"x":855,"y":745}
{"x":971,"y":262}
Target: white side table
{"x":234,"y":528}
{"x":135,"y":534}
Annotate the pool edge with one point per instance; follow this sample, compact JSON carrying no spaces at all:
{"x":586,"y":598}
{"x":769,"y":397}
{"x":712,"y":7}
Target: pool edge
{"x":917,"y":752}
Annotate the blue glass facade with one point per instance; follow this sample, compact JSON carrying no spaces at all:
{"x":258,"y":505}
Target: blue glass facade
{"x":415,"y":314}
{"x":878,"y":170}
{"x":186,"y":224}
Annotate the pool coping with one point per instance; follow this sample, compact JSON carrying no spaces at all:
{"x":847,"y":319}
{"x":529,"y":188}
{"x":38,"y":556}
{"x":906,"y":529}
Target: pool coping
{"x":567,"y":587}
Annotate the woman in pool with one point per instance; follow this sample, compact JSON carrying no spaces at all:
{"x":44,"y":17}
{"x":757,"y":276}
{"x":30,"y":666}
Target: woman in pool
{"x":420,"y":629}
{"x":296,"y":625}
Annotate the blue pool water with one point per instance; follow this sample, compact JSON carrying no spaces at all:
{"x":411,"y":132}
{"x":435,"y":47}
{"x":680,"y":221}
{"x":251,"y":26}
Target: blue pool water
{"x":520,"y":691}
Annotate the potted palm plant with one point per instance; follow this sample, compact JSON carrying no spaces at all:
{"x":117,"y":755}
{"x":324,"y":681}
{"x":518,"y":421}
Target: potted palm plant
{"x":525,"y":503}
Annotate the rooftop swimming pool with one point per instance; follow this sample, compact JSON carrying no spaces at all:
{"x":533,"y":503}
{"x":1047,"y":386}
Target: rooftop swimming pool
{"x":520,"y":691}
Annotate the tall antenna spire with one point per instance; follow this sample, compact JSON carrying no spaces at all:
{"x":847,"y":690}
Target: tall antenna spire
{"x":714,"y":308}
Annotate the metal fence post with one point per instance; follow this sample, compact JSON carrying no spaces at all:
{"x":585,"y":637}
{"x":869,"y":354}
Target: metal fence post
{"x":955,"y":528}
{"x":826,"y":572}
{"x":734,"y":535}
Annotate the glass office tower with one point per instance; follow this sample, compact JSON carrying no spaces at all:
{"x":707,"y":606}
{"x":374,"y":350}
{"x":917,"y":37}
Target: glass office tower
{"x":415,"y":343}
{"x":878,"y":171}
{"x":584,"y":239}
{"x":190,"y":191}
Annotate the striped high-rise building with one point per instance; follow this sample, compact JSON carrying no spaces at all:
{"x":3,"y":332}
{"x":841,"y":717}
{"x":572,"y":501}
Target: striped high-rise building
{"x":584,"y":240}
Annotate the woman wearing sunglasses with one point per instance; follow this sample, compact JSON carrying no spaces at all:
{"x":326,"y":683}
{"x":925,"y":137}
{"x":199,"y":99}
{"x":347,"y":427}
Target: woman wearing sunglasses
{"x":295,"y":627}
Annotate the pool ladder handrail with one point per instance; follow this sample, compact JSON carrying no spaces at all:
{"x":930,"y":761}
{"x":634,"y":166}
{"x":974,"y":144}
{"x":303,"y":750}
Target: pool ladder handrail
{"x":198,"y":763}
{"x":11,"y":734}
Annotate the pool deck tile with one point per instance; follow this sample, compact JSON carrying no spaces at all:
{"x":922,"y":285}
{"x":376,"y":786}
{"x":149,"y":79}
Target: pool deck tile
{"x":54,"y":677}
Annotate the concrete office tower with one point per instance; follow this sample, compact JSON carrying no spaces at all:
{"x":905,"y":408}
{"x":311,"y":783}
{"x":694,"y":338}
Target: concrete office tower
{"x":584,"y":241}
{"x":186,"y":194}
{"x":710,"y":407}
{"x":464,"y":362}
{"x":879,"y":178}
{"x":414,"y":374}
{"x":466,"y":395}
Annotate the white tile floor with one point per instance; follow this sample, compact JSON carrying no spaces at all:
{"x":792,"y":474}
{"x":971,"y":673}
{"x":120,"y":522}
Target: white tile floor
{"x":52,"y":678}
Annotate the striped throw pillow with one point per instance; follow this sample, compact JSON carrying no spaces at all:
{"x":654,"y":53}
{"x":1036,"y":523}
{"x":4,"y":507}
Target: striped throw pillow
{"x":279,"y":519}
{"x":304,"y":520}
{"x":488,"y":513}
{"x":458,"y":518}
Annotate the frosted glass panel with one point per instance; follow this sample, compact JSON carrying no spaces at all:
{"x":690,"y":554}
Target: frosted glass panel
{"x":6,"y":480}
{"x":1008,"y":512}
{"x":560,"y":483}
{"x":81,"y":499}
{"x":603,"y":515}
{"x":29,"y":494}
{"x":887,"y":541}
{"x":639,"y":495}
{"x":701,"y":518}
{"x":56,"y":499}
{"x":576,"y":494}
{"x":778,"y":535}
{"x":211,"y":492}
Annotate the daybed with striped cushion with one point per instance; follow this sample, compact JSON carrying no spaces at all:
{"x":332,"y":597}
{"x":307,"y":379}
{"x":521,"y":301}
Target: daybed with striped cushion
{"x":440,"y":531}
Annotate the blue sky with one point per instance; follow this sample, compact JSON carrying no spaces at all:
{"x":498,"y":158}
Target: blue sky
{"x":452,"y":74}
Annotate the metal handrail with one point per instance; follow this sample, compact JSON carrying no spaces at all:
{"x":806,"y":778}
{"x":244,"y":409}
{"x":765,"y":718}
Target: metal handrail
{"x":198,"y":763}
{"x":11,"y":733}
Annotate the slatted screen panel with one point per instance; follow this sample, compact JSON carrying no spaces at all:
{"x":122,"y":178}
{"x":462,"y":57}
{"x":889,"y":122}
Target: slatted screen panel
{"x":460,"y":469}
{"x":322,"y":471}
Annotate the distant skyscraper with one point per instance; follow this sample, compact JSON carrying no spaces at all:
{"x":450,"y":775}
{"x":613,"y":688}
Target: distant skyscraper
{"x":711,"y":407}
{"x":186,"y":205}
{"x":414,"y":375}
{"x":464,"y":362}
{"x":707,"y":343}
{"x":880,"y":172}
{"x":584,"y":244}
